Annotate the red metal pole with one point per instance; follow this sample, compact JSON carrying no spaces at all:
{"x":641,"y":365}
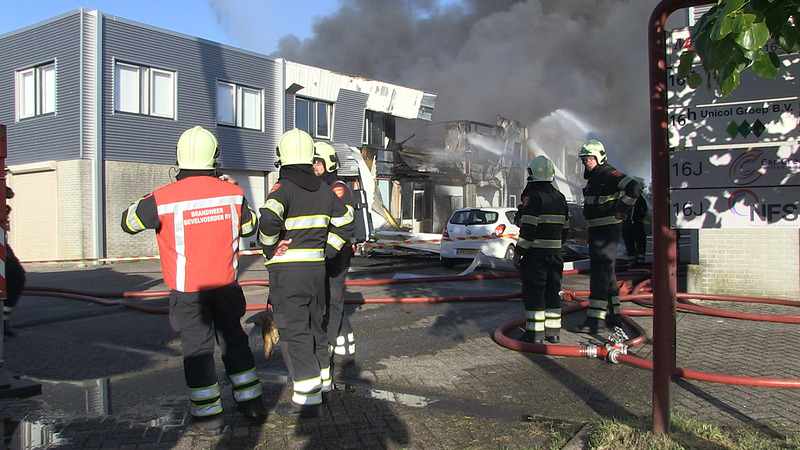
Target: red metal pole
{"x":664,"y":240}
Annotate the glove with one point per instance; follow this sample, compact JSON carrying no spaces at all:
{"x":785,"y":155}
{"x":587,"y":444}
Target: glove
{"x":622,"y":211}
{"x":517,"y":258}
{"x":269,"y":332}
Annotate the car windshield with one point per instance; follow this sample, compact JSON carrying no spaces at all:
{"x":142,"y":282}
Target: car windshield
{"x":474,"y":217}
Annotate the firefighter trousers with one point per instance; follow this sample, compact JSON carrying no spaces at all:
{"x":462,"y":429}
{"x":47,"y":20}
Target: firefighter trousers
{"x":341,"y":339}
{"x":603,"y":289}
{"x":297,"y":296}
{"x":203,"y":317}
{"x":541,"y":272}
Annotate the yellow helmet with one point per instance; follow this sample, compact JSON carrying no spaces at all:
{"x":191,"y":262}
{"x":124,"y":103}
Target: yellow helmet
{"x":296,"y":147}
{"x":325,"y":152}
{"x":541,"y":169}
{"x":197,"y":149}
{"x":595,"y":148}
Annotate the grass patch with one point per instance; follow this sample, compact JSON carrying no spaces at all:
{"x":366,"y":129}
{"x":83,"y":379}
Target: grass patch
{"x":685,"y":433}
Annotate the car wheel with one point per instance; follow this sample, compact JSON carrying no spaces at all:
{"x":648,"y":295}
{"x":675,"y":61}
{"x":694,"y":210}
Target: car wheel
{"x":449,"y":263}
{"x":510,"y":252}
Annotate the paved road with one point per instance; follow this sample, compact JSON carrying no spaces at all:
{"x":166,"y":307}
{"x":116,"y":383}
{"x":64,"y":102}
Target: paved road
{"x":428,"y":375}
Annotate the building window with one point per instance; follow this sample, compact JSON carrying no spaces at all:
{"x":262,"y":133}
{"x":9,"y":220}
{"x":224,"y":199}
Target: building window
{"x":144,"y":90}
{"x":313,"y":117}
{"x":238,"y":106}
{"x":36,"y":91}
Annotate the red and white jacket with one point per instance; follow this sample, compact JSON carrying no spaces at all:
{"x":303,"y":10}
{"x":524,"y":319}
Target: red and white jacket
{"x":198,"y":220}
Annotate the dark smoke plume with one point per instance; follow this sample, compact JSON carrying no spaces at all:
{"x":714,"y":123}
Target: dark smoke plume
{"x":524,"y":60}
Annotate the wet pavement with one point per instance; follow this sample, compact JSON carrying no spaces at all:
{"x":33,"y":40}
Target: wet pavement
{"x":428,"y":372}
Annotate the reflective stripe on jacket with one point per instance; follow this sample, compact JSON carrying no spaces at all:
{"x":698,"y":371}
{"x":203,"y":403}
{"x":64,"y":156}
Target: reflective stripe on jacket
{"x":544,"y":220}
{"x":607,"y":196}
{"x":317,"y":222}
{"x":198,"y":221}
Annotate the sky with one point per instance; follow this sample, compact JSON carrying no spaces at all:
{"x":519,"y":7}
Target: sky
{"x":568,"y":69}
{"x":259,"y":30}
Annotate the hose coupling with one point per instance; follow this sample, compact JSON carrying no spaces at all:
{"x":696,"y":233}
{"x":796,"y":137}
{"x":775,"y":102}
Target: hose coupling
{"x":590,"y":350}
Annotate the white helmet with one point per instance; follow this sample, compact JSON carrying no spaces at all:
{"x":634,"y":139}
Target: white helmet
{"x":325,"y":152}
{"x":197,"y":149}
{"x":541,"y":169}
{"x":296,"y":147}
{"x":595,"y":148}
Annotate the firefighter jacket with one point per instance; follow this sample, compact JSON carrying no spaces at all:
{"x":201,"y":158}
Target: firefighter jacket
{"x":198,"y":220}
{"x":608,"y":195}
{"x":544,"y":218}
{"x":341,"y":261}
{"x":302,"y":208}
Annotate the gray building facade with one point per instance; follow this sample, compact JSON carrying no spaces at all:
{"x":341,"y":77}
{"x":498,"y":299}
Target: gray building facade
{"x":94,"y":105}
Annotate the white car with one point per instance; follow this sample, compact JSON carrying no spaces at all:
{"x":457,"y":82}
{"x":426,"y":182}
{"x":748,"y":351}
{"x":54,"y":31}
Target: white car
{"x":490,"y":231}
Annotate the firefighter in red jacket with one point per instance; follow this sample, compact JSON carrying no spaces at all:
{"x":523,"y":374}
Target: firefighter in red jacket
{"x":607,"y":197}
{"x":198,"y":220}
{"x":341,"y":339}
{"x":302,"y":223}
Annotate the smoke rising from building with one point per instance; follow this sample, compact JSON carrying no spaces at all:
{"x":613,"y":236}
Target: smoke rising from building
{"x":519,"y":59}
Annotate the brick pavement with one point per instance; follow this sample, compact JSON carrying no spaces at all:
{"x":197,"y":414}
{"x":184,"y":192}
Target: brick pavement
{"x":428,"y":375}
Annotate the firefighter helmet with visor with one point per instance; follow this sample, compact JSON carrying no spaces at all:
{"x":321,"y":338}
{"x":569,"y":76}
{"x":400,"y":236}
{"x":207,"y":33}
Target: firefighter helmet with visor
{"x":197,"y":149}
{"x":541,"y":169}
{"x":595,"y":148}
{"x":296,"y":147}
{"x":325,"y":152}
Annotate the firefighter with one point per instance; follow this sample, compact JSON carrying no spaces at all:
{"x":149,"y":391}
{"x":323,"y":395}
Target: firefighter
{"x":198,"y":220}
{"x":341,"y":339}
{"x":302,"y":223}
{"x":633,"y":232}
{"x":607,"y":197}
{"x":15,"y":277}
{"x":544,"y":224}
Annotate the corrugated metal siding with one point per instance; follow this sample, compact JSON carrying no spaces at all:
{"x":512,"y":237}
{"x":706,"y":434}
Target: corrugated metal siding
{"x":348,"y":165}
{"x":289,"y":111}
{"x":348,"y":117}
{"x":198,"y":65}
{"x":383,"y":97}
{"x":89,"y":94}
{"x":50,"y":137}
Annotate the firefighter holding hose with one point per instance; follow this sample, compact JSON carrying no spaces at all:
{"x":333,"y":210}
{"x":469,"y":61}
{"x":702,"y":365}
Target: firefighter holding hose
{"x":302,"y":223}
{"x":544,"y":224}
{"x":198,"y":220}
{"x":607,"y":197}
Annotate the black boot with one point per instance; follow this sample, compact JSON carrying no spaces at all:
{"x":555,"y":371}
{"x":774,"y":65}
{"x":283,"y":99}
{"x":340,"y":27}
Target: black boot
{"x":532,"y":336}
{"x":207,"y":426}
{"x":591,"y":326}
{"x":613,"y":320}
{"x":292,"y":409}
{"x":253,"y":409}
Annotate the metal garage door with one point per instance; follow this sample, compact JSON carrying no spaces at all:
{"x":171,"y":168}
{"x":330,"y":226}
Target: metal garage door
{"x":34,"y":216}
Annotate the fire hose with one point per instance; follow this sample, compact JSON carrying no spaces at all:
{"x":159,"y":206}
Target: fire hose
{"x":615,"y":350}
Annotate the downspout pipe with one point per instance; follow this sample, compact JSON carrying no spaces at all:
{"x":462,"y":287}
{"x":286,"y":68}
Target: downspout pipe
{"x":664,"y":239}
{"x":98,"y":168}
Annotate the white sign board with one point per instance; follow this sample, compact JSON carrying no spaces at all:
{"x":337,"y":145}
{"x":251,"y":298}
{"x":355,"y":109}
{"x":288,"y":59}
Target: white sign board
{"x":738,"y":167}
{"x":747,"y":207}
{"x":759,"y":111}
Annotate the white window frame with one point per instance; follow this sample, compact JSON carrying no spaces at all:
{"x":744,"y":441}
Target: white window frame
{"x":144,"y":90}
{"x":315,"y":107}
{"x":239,"y":106}
{"x":36,"y":90}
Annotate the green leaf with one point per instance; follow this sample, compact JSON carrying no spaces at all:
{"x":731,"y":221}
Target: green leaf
{"x":694,"y":80}
{"x":729,"y":82}
{"x":754,"y":37}
{"x":767,"y":66}
{"x":724,"y":28}
{"x":687,"y":58}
